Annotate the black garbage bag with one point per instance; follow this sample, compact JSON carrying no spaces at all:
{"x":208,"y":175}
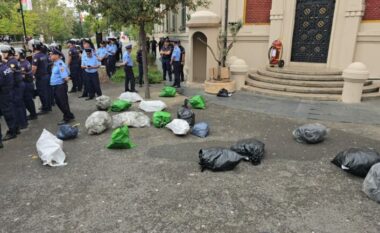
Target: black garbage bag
{"x":357,"y":161}
{"x":185,"y":113}
{"x":223,"y":93}
{"x":219,"y":159}
{"x":371,"y":184}
{"x":310,"y":133}
{"x":251,"y":148}
{"x":66,"y":132}
{"x":200,"y":129}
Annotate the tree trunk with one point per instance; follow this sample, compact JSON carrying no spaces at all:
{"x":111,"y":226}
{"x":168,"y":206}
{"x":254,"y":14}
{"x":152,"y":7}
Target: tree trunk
{"x":142,"y":40}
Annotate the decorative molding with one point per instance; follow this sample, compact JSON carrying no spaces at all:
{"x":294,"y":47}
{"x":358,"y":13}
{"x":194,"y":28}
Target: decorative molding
{"x":355,"y":13}
{"x":276,"y":15}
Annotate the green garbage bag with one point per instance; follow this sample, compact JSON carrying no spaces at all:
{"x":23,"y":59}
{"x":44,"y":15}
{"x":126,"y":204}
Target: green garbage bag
{"x":161,"y":119}
{"x":120,"y":105}
{"x":120,"y":139}
{"x":168,"y":92}
{"x":198,"y":102}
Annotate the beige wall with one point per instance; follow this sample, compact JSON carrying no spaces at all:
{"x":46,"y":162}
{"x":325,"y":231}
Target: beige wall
{"x":368,"y":47}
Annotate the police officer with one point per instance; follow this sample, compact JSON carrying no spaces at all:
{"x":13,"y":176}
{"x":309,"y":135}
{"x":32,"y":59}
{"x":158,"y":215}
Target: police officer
{"x":111,"y":58}
{"x":59,"y":77}
{"x":140,"y":64}
{"x":26,"y":71}
{"x":183,"y":55}
{"x":91,"y":64}
{"x":40,"y":70}
{"x":6,"y":95}
{"x":101,"y":53}
{"x":165,"y":59}
{"x":86,"y":45}
{"x":128,"y":66}
{"x":74,"y":63}
{"x":18,"y":88}
{"x":176,"y":62}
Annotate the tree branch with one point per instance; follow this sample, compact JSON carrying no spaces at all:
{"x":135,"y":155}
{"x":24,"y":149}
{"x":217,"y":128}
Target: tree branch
{"x":209,"y":47}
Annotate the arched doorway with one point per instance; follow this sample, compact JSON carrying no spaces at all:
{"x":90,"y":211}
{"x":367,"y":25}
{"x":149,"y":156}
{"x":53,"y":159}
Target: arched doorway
{"x":199,"y":58}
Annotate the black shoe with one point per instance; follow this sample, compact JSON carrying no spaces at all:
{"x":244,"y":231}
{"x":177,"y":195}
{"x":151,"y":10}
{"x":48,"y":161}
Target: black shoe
{"x":30,"y":118}
{"x":1,"y":145}
{"x":89,"y":98}
{"x":42,"y":112}
{"x":9,"y":136}
{"x":63,"y":122}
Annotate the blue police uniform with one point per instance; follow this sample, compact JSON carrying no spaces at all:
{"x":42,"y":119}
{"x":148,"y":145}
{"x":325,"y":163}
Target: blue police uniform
{"x":111,"y":59}
{"x":40,"y":60}
{"x":6,"y":95}
{"x":93,"y":83}
{"x":101,"y":54}
{"x":26,"y":70}
{"x":128,"y":69}
{"x":176,"y":58}
{"x":165,"y":59}
{"x":75,"y":69}
{"x":18,"y":94}
{"x":57,"y":81}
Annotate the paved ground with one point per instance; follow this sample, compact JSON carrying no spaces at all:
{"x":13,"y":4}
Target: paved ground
{"x":158,"y":187}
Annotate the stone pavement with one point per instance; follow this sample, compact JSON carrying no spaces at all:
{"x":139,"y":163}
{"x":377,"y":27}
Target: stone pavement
{"x":158,"y":186}
{"x":367,"y":112}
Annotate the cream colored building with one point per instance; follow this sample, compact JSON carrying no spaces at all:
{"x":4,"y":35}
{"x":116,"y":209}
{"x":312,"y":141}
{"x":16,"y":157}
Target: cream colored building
{"x":318,"y":35}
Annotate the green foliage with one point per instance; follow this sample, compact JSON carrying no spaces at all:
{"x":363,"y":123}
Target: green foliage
{"x":48,"y":17}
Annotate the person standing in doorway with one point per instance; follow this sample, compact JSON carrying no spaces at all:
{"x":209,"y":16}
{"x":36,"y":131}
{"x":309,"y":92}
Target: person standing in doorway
{"x":183,"y":56}
{"x":141,"y":69}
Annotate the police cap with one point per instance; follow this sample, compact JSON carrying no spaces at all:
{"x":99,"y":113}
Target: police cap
{"x":88,"y":50}
{"x":128,"y":46}
{"x":56,"y":52}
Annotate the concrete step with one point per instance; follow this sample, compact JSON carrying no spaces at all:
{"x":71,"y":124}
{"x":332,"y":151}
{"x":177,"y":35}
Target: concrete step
{"x":301,"y":83}
{"x":301,"y":77}
{"x":304,"y":71}
{"x":303,"y":96}
{"x":306,"y":90}
{"x":373,"y":95}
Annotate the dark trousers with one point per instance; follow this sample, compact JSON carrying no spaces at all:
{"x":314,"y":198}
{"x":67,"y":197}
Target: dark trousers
{"x":141,"y":74}
{"x":6,"y":109}
{"x":154,"y":52}
{"x":177,"y":73}
{"x":93,"y":84}
{"x":19,"y":105}
{"x":181,"y":73}
{"x":44,"y":92}
{"x":75,"y":77}
{"x":28,"y":98}
{"x":62,"y":101}
{"x":129,"y":77}
{"x":85,"y":83}
{"x":166,"y":68}
{"x":111,"y":65}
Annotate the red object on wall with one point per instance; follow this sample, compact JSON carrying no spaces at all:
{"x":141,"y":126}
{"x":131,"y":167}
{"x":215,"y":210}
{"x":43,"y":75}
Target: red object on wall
{"x":258,"y":11}
{"x":372,"y":10}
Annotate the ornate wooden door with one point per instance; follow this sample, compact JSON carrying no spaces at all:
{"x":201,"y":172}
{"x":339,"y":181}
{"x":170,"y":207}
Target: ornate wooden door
{"x":312,"y":30}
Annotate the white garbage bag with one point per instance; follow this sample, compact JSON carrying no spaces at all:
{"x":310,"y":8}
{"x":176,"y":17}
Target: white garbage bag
{"x":132,"y":119}
{"x":50,"y":151}
{"x":103,"y":102}
{"x":371,"y":184}
{"x":131,"y":97}
{"x":98,"y":122}
{"x":152,"y":106}
{"x":179,"y":127}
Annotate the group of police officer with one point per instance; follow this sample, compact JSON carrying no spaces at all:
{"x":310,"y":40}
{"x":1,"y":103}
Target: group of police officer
{"x":173,"y":59}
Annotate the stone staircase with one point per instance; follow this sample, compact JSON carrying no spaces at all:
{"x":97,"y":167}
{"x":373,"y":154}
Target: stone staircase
{"x":303,"y":83}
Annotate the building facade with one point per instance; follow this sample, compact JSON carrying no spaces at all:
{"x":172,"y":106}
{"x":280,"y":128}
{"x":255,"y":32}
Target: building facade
{"x":315,"y":33}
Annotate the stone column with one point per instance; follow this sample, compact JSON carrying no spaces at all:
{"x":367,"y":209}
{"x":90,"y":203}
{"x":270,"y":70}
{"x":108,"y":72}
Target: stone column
{"x":355,"y":75}
{"x":239,"y":71}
